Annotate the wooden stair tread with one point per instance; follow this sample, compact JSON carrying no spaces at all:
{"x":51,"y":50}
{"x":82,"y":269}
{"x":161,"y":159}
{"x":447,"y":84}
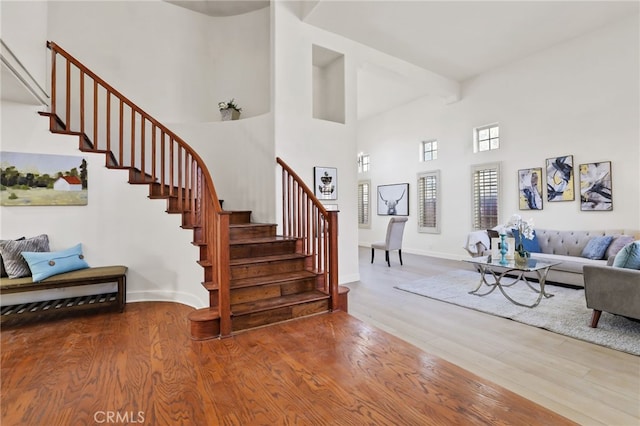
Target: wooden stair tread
{"x":272,"y":279}
{"x":204,"y":314}
{"x":266,"y":259}
{"x":251,"y":225}
{"x":277,"y":302}
{"x":258,"y":240}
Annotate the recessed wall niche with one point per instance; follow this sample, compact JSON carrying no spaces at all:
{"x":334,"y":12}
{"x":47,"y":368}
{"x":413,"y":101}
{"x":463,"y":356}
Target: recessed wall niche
{"x":328,"y":84}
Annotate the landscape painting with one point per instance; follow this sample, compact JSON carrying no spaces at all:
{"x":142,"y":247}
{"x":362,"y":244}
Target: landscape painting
{"x":42,"y":180}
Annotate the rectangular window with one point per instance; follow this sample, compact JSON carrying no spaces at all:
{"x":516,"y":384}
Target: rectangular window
{"x":363,"y":163}
{"x":429,"y":151}
{"x":486,"y":138}
{"x":486,"y":190}
{"x":364,"y":200}
{"x":429,"y":202}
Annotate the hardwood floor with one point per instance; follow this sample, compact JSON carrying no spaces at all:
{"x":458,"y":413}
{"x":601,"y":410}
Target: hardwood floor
{"x":586,"y":383}
{"x":141,"y":367}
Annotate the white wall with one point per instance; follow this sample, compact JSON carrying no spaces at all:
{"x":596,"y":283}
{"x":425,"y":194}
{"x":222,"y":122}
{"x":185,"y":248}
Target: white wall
{"x":119,"y":226}
{"x":304,"y":142}
{"x":24,"y":31}
{"x":240,"y":156}
{"x":240,"y":54}
{"x":578,"y":98}
{"x":161,"y":57}
{"x":151,"y":51}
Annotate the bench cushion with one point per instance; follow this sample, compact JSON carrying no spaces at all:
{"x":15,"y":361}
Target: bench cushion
{"x":100,"y":274}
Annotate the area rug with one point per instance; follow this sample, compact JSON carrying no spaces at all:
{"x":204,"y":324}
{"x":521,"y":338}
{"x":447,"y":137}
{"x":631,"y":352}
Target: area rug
{"x":565,"y":313}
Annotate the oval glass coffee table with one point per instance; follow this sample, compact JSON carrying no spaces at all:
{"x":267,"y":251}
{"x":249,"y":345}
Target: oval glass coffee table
{"x":509,"y":270}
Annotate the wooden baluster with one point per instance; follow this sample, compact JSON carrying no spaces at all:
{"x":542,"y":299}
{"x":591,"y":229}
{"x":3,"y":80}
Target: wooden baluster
{"x":95,"y":114}
{"x":132,"y":160}
{"x":171,"y":186}
{"x":154,"y":130}
{"x":68,"y":98}
{"x":163,"y":171}
{"x":82,"y":102}
{"x":54,"y":58}
{"x":180,"y":191}
{"x":108,"y":107}
{"x":143,"y":143}
{"x":121,"y":133}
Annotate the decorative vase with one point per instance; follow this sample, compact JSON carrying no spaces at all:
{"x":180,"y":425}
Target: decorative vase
{"x":229,"y":114}
{"x":503,"y":250}
{"x":521,"y":258}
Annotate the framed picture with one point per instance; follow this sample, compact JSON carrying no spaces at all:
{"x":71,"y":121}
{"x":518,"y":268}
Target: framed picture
{"x":393,"y":200}
{"x":530,"y":189}
{"x":325,"y":183}
{"x":595,"y":186}
{"x":560,"y":179}
{"x":43,"y":180}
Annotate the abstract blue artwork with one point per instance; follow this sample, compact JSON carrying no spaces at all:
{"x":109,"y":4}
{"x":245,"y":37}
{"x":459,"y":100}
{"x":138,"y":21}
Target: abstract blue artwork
{"x":595,"y":187}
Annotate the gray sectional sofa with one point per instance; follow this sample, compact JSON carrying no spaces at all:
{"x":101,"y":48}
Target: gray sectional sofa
{"x":567,"y":247}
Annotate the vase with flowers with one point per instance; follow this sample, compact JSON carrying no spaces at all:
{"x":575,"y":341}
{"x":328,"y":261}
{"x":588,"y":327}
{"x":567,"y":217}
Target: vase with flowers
{"x":521,"y":229}
{"x":229,"y":110}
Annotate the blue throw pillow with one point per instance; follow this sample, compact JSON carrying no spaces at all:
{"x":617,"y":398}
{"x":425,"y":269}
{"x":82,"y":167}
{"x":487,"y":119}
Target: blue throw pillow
{"x":596,"y":247}
{"x":530,"y":245}
{"x":628,"y":257}
{"x":46,"y":264}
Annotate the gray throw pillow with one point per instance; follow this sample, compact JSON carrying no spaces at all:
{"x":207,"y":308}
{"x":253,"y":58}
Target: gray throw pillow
{"x":616,"y":245}
{"x":3,"y":273}
{"x":596,"y":247}
{"x":14,"y":263}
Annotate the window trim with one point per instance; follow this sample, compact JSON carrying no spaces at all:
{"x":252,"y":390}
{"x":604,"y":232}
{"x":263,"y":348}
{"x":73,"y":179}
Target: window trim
{"x":367,"y":224}
{"x":476,"y":222}
{"x":476,"y":137}
{"x":429,"y":229}
{"x":362,"y":163}
{"x":422,"y":150}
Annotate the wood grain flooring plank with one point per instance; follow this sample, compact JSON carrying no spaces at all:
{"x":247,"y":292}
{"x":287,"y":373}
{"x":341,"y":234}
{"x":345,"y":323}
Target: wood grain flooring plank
{"x":325,"y":369}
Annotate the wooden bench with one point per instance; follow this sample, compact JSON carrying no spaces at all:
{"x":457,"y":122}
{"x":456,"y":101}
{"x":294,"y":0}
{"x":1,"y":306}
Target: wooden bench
{"x":82,"y":277}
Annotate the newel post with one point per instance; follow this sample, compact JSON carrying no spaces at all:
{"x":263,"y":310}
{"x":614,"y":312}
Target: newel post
{"x":223,"y":273}
{"x":333,"y":259}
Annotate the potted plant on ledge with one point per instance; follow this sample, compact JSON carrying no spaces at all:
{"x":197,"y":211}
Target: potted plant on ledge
{"x":229,"y":110}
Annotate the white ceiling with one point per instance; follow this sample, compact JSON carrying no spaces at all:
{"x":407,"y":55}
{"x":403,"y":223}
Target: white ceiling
{"x":461,"y":39}
{"x":455,"y":39}
{"x":221,"y":7}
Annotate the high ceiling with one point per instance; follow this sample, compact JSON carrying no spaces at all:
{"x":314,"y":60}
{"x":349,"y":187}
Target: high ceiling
{"x":221,"y":7}
{"x":455,"y":39}
{"x":460,"y":39}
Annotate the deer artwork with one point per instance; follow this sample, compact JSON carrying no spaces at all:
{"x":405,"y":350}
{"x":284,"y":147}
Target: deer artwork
{"x":391,"y":204}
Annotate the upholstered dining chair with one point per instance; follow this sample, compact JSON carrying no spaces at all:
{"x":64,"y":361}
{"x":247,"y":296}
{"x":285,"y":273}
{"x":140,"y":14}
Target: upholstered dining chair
{"x":395,"y":230}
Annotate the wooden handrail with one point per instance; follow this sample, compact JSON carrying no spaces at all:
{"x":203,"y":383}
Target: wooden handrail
{"x":304,"y":217}
{"x":178,"y":171}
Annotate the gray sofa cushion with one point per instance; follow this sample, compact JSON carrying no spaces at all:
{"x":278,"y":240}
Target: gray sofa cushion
{"x":569,"y":263}
{"x":616,"y":245}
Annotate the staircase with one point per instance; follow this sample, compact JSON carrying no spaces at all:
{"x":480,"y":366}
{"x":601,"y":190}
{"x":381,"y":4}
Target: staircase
{"x":253,"y":276}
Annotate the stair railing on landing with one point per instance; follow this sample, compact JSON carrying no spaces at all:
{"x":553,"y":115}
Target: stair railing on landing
{"x":108,"y":122}
{"x":304,"y":217}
